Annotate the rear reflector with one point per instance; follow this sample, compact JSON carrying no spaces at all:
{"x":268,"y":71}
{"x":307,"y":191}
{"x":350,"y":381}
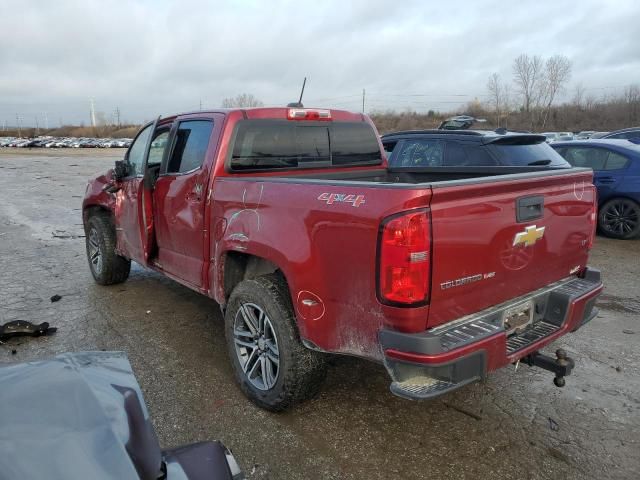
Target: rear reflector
{"x":308,"y":114}
{"x":404,"y":263}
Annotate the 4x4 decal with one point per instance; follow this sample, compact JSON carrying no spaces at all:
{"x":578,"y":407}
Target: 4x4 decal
{"x":330,"y":198}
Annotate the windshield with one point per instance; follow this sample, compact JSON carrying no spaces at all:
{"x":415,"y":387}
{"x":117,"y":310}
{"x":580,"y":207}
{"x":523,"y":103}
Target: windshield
{"x":540,"y":154}
{"x":277,"y":144}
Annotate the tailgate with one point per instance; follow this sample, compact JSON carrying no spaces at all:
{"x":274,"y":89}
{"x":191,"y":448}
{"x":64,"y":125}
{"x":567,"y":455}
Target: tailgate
{"x":499,"y":239}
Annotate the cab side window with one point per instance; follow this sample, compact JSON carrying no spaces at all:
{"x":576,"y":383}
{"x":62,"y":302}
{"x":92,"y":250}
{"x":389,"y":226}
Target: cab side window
{"x":135,"y":157}
{"x":190,"y":148}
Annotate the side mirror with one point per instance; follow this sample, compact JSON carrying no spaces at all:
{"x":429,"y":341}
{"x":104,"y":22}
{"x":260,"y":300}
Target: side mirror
{"x":121,"y":170}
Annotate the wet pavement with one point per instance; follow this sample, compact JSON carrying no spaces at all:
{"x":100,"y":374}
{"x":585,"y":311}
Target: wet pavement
{"x":515,"y":425}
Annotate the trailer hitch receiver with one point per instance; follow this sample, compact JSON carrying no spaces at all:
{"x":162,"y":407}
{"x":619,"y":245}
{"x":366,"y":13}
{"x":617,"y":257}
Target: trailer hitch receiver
{"x":562,"y":365}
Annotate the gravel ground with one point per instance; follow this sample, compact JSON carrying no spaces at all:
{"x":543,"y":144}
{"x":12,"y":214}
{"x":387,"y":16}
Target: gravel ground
{"x":515,"y":425}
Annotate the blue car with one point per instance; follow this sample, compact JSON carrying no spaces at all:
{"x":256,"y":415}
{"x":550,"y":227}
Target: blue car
{"x":616,"y":168}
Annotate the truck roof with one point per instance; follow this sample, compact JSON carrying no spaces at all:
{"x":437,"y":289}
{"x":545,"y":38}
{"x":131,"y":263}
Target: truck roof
{"x":277,"y":113}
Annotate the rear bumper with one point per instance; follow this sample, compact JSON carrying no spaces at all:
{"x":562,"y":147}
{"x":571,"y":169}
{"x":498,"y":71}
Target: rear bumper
{"x":438,"y":361}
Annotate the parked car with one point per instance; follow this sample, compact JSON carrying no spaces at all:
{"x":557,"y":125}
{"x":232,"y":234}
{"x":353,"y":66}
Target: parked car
{"x":82,"y":416}
{"x":563,"y":137}
{"x":460,"y":122}
{"x":550,"y":136}
{"x":469,"y":148}
{"x":616,"y":167}
{"x":291,"y":221}
{"x":624,"y":134}
{"x":583,"y":135}
{"x":65,"y":142}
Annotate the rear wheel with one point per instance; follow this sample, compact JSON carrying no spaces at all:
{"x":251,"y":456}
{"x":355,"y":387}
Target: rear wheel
{"x":620,"y":218}
{"x":107,"y":267}
{"x":270,"y":363}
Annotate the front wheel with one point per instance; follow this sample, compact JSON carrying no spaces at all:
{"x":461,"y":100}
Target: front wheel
{"x":107,"y":267}
{"x":270,"y":363}
{"x":620,"y":218}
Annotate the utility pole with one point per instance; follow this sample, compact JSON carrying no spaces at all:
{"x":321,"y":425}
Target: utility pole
{"x":37,"y":127}
{"x":93,"y":113}
{"x":200,"y":104}
{"x":18,"y":122}
{"x":118,"y":115}
{"x":46,"y":121}
{"x":363,"y":100}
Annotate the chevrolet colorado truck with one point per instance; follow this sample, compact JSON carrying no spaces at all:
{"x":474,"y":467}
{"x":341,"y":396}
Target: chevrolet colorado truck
{"x":292,"y":221}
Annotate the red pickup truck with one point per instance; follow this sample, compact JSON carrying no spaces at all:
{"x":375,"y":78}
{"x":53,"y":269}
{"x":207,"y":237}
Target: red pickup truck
{"x":290,"y":219}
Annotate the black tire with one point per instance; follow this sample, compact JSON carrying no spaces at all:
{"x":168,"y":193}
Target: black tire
{"x":300,"y":371}
{"x":620,"y":218}
{"x":101,"y":238}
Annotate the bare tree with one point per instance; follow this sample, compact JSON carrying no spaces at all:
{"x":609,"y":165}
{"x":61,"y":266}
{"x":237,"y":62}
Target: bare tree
{"x":578,"y":95}
{"x":495,"y":95}
{"x":527,"y":73}
{"x":242,"y":100}
{"x":556,"y":75}
{"x":506,"y":103}
{"x":632,"y":100}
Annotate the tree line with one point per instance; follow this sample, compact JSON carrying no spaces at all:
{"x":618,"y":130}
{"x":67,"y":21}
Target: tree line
{"x":528,"y":101}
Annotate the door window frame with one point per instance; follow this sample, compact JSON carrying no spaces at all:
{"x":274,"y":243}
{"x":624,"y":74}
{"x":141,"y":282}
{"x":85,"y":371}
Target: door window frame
{"x":126,"y":155}
{"x":173,"y":135}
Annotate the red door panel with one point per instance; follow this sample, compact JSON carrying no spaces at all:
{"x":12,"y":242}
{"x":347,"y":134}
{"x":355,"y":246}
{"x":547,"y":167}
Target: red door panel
{"x":129,"y":225}
{"x":179,"y":212}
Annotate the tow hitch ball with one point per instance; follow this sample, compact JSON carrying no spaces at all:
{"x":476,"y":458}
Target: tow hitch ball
{"x":561,"y":365}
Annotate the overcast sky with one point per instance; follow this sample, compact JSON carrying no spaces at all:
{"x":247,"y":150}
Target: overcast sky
{"x":149,"y":57}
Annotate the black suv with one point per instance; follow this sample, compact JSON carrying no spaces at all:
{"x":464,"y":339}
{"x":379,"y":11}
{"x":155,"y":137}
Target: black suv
{"x":469,"y":148}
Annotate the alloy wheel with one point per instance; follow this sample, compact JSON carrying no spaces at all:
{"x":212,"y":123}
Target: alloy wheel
{"x":256,"y":346}
{"x":620,"y":218}
{"x":95,"y":253}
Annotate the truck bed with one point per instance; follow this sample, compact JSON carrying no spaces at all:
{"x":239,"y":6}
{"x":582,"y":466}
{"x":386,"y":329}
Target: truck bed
{"x":325,"y":237}
{"x":409,"y":176}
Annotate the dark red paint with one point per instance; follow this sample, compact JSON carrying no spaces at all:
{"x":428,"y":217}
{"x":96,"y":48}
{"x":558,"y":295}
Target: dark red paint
{"x":328,"y":249}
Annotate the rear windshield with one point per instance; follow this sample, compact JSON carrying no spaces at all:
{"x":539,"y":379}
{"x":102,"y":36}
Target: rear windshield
{"x":518,"y":155}
{"x":275,"y":144}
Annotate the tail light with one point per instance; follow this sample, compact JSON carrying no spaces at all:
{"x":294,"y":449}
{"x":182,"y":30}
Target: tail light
{"x":405,"y":257}
{"x":593,"y":218}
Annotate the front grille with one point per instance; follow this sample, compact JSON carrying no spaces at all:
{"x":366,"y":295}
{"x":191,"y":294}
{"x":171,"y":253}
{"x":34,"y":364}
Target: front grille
{"x":533,"y":333}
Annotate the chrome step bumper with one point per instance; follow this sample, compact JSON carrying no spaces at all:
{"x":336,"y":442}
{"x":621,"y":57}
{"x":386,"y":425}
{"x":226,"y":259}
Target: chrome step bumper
{"x":428,"y":364}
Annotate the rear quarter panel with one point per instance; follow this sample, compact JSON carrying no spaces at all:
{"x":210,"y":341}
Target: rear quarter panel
{"x":326,"y":250}
{"x":629,"y":185}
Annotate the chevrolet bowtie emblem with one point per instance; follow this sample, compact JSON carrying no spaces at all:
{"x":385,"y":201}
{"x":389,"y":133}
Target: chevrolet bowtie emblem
{"x":530,"y":236}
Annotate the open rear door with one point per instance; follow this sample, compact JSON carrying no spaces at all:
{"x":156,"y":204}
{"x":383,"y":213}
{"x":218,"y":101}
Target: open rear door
{"x":133,"y":211}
